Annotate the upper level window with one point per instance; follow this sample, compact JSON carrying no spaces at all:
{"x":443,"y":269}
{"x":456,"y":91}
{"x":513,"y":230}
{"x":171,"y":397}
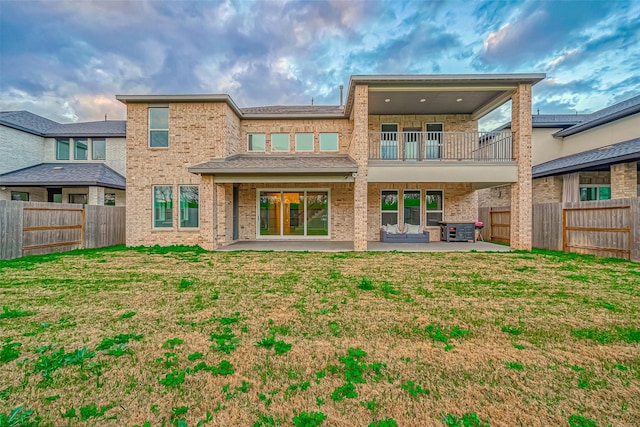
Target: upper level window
{"x":256,"y":142}
{"x":98,"y":149}
{"x":158,"y":127}
{"x":328,"y":142}
{"x":280,"y":142}
{"x":62,"y":149}
{"x":304,"y":142}
{"x":80,"y":149}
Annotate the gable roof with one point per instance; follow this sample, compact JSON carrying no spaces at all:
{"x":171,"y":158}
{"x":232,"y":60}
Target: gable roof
{"x":26,"y":122}
{"x":626,"y":151}
{"x":65,"y":174}
{"x":104,"y":128}
{"x":604,"y":116}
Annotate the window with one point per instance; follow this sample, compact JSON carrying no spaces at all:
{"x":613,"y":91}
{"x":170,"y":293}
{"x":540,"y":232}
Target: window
{"x":62,"y":149}
{"x":98,"y":149}
{"x":78,"y":198}
{"x":328,"y":142}
{"x":158,"y":127}
{"x":304,"y":142}
{"x":109,"y":199}
{"x":163,"y":206}
{"x":389,"y":207}
{"x":435,"y":210}
{"x":411,"y":199}
{"x":188,"y":206}
{"x":279,"y":142}
{"x":433,"y":140}
{"x":256,"y":142}
{"x":20,"y":195}
{"x":595,"y":192}
{"x":80,"y":149}
{"x":389,"y":141}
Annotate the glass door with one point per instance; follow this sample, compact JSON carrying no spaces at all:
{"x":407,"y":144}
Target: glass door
{"x":293,"y":214}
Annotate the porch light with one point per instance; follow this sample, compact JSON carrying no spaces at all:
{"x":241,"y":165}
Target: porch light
{"x":387,"y":100}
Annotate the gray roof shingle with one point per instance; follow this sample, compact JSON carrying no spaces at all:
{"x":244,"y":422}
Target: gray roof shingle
{"x":105,"y":128}
{"x":293,"y":110}
{"x":606,"y":115}
{"x":610,"y":154}
{"x":278,"y":164}
{"x":65,"y":174}
{"x":26,"y":122}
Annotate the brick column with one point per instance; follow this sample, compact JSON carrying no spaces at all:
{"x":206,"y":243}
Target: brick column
{"x":624,"y":180}
{"x":360,"y":152}
{"x":96,"y":196}
{"x":521,"y":208}
{"x":206,"y":205}
{"x":220,"y":227}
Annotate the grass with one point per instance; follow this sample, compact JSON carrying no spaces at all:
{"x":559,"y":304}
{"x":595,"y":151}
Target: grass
{"x":180,"y":336}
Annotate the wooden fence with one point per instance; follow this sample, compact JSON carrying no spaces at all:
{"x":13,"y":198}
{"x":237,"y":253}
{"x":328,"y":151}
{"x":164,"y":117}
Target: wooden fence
{"x":608,"y":228}
{"x":29,"y":228}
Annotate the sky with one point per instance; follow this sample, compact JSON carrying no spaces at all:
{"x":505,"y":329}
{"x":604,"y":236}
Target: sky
{"x":67,"y":59}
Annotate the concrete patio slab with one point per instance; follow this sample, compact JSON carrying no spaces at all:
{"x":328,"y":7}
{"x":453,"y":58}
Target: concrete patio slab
{"x":346,"y":246}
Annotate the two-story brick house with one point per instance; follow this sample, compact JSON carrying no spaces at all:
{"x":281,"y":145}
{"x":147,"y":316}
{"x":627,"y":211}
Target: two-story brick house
{"x":42,"y":160}
{"x":402,"y":152}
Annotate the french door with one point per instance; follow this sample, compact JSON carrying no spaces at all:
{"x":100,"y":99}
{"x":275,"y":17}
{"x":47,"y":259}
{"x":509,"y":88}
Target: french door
{"x":293,"y":213}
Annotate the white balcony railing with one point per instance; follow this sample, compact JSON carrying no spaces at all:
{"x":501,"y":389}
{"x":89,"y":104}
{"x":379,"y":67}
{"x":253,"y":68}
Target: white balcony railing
{"x":441,"y":146}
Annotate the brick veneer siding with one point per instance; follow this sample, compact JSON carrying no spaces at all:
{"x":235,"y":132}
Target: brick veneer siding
{"x":196,"y":134}
{"x":450,"y":122}
{"x":460,"y":204}
{"x":521,"y":196}
{"x":547,"y":190}
{"x":624,"y":180}
{"x":359,"y":150}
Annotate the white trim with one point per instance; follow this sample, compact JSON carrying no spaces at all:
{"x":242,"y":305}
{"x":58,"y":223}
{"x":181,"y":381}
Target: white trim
{"x":288,"y":150}
{"x":265,"y":142}
{"x":180,"y":211}
{"x":293,"y":190}
{"x":156,"y":129}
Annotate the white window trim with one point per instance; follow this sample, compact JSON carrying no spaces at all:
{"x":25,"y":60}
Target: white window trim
{"x":337,"y":142}
{"x":397,"y":211}
{"x":153,"y":207}
{"x":432,"y":211}
{"x":292,"y":190}
{"x":90,"y":142}
{"x":149,"y":129}
{"x":288,"y":142}
{"x":180,"y":210}
{"x":265,"y":142}
{"x":313,"y":142}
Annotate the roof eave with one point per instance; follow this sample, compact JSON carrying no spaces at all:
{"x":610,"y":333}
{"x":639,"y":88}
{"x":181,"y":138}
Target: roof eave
{"x":151,"y":99}
{"x":575,"y":168}
{"x":581,"y":127}
{"x":274,"y":171}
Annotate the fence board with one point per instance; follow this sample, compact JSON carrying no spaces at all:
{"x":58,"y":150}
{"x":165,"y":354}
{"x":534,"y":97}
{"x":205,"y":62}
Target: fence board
{"x":500,"y":230}
{"x":105,"y":226}
{"x":10,"y":229}
{"x":547,"y":226}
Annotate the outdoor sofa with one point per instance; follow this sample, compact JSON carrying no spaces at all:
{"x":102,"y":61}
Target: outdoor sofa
{"x":392,"y":233}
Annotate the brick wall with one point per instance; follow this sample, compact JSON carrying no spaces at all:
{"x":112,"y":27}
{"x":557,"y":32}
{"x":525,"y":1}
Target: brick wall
{"x":624,"y":180}
{"x":359,"y":150}
{"x":451,"y":122}
{"x":547,"y":189}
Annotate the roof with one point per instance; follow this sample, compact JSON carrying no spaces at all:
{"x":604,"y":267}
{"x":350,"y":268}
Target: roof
{"x":105,"y":128}
{"x":552,"y":121}
{"x":278,"y":164}
{"x":26,"y":122}
{"x":65,"y":174}
{"x":604,"y":116}
{"x":295,"y":110}
{"x":626,"y":151}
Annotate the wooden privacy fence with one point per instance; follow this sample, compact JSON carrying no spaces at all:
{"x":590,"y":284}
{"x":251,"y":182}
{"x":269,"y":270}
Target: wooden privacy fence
{"x":29,"y":228}
{"x":606,"y":227}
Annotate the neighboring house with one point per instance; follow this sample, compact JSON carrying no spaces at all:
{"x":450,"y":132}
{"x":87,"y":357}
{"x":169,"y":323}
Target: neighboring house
{"x":403,"y":152}
{"x":42,"y":160}
{"x":582,"y":157}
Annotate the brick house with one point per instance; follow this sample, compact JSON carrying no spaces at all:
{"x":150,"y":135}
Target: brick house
{"x":582,"y":157}
{"x":42,"y":160}
{"x":403,"y":151}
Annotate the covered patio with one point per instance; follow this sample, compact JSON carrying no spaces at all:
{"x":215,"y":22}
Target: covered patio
{"x":347,"y":246}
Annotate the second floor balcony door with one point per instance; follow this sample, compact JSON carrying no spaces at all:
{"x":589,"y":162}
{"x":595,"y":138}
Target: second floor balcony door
{"x":412,"y":143}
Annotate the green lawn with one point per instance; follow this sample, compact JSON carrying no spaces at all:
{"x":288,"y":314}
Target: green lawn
{"x":180,"y":336}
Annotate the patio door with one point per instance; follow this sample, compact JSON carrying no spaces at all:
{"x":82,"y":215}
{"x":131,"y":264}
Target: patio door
{"x":293,"y":214}
{"x":411,"y":149}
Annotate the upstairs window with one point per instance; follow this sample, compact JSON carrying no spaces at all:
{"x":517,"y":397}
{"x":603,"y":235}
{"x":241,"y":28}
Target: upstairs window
{"x":80,"y":147}
{"x":280,"y":142}
{"x":304,"y":142}
{"x":62,"y":149}
{"x":158,"y":127}
{"x":256,"y":142}
{"x":98,"y":149}
{"x":328,"y":142}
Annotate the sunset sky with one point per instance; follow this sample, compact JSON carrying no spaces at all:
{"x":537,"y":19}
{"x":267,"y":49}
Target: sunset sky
{"x":66,"y":60}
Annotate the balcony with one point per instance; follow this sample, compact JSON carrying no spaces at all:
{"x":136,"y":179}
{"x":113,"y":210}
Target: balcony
{"x":484,"y":147}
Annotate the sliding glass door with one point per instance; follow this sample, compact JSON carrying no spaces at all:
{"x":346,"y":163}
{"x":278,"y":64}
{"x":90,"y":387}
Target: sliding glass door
{"x":293,"y":214}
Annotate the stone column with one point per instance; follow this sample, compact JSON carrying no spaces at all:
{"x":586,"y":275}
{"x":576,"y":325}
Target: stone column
{"x":220,"y":218}
{"x":360,"y":153}
{"x":521,"y":207}
{"x":206,"y":205}
{"x":96,"y":196}
{"x":624,"y":180}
